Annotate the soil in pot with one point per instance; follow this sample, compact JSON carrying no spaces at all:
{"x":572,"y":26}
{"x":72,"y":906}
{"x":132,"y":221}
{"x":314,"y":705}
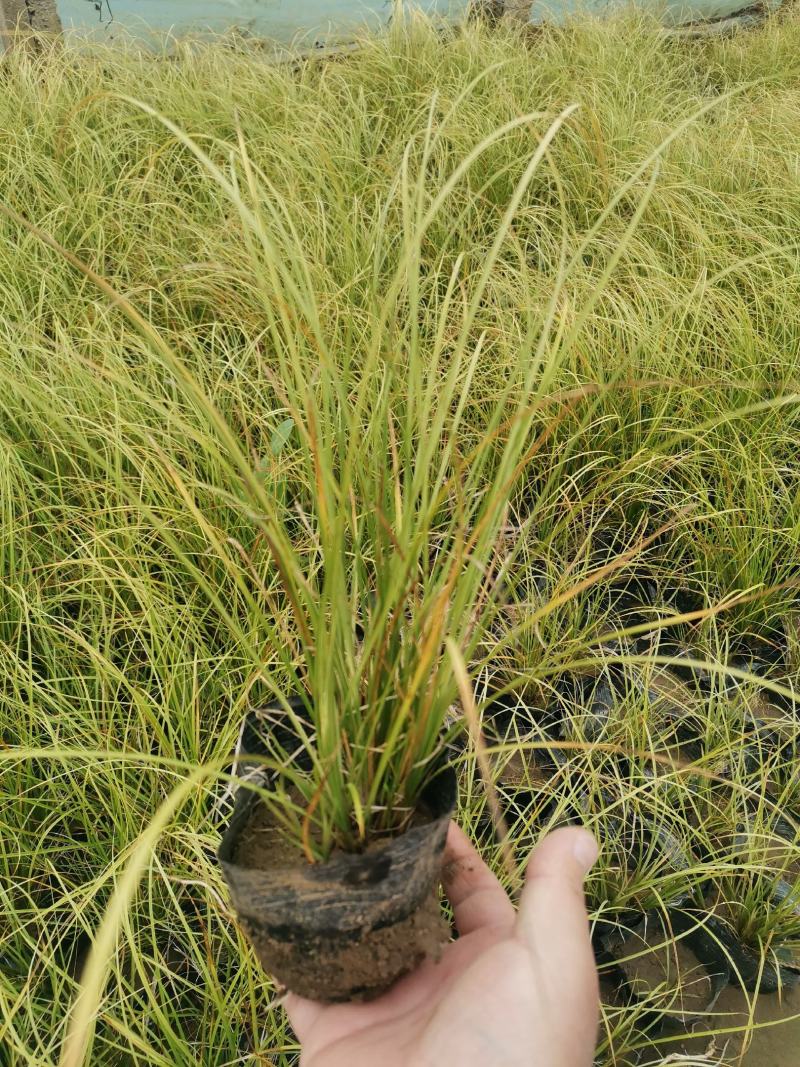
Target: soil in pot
{"x":345,"y":929}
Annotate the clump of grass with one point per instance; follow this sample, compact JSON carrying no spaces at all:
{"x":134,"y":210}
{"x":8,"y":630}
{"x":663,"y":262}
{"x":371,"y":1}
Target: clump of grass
{"x":404,"y":509}
{"x":142,"y":468}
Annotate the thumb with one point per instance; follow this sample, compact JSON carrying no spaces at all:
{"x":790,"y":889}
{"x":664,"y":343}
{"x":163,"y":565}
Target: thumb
{"x":553,"y":905}
{"x":553,"y":924}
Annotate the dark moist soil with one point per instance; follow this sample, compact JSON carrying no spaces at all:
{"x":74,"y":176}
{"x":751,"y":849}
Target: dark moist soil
{"x":262,"y":847}
{"x":338,"y":967}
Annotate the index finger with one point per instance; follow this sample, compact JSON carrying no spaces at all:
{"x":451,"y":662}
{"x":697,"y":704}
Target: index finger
{"x":477,"y":897}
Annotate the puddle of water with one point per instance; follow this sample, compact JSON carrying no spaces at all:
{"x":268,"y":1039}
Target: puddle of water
{"x":323,"y":22}
{"x":309,"y":22}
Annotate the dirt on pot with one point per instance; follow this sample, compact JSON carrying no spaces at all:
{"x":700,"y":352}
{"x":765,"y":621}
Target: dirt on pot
{"x":395,"y":949}
{"x":345,"y":929}
{"x":336,"y":963}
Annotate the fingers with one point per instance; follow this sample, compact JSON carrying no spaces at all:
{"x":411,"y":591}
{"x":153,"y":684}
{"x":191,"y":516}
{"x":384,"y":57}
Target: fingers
{"x":477,"y":897}
{"x":302,"y":1013}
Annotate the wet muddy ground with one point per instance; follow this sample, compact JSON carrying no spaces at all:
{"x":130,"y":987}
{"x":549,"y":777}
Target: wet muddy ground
{"x":770,"y":1045}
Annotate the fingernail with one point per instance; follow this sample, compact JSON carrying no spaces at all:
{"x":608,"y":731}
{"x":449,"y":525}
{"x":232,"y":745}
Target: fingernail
{"x":585,"y":850}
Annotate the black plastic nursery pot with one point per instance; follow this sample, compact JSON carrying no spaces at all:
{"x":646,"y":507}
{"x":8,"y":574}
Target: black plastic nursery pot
{"x":646,"y":955}
{"x":717,"y":946}
{"x":348,"y":928}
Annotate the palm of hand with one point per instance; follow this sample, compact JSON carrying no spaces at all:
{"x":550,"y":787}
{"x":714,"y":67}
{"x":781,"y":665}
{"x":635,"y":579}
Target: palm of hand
{"x":512,"y":991}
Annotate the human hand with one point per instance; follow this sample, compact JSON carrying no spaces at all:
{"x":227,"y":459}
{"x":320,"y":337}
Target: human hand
{"x":515,"y":989}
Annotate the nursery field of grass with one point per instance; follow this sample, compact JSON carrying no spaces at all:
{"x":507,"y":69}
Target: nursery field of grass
{"x":196,"y":255}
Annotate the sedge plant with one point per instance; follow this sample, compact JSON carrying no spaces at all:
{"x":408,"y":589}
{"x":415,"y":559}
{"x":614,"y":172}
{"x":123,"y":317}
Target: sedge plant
{"x":410,"y":466}
{"x":405,"y":511}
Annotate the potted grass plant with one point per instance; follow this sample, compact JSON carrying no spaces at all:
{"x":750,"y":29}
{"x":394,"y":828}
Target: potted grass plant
{"x":407,"y":458}
{"x":334,"y":866}
{"x":385,"y":570}
{"x":754,"y":915}
{"x":404,"y":459}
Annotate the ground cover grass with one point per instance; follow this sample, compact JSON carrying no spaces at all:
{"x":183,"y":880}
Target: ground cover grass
{"x":651,"y":266}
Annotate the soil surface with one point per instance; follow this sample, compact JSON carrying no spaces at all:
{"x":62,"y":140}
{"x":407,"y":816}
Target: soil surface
{"x":672,"y":974}
{"x":262,"y":846}
{"x":773,"y":1046}
{"x":770,"y":1046}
